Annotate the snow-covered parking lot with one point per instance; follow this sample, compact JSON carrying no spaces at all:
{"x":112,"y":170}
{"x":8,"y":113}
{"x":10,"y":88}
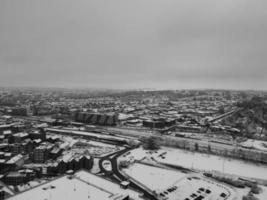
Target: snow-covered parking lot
{"x":176,"y":185}
{"x":153,"y":177}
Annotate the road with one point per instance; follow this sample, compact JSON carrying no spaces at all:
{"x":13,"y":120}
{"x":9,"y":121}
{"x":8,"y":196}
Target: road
{"x":118,"y":176}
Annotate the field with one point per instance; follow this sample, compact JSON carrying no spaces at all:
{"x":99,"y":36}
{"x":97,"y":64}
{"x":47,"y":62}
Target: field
{"x":203,"y":162}
{"x":200,"y":161}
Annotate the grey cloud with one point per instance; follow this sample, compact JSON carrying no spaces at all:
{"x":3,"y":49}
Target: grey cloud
{"x":153,"y":43}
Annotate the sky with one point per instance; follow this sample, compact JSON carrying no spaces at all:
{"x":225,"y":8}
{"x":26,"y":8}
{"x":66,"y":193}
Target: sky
{"x":134,"y":44}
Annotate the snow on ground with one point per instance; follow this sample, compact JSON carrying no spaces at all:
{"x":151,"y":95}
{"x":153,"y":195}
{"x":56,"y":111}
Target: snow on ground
{"x":153,"y":177}
{"x":102,"y":144}
{"x":136,"y":154}
{"x":212,"y":162}
{"x":95,"y":169}
{"x":256,"y":144}
{"x":64,"y":189}
{"x":200,"y":161}
{"x":106,"y":164}
{"x":243,"y":192}
{"x":94,"y":147}
{"x":263,"y":194}
{"x":97,"y":149}
{"x":193,"y":187}
{"x":30,"y":184}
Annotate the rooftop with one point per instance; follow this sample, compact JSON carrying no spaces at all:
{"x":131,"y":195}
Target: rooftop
{"x":21,"y":134}
{"x":82,"y":185}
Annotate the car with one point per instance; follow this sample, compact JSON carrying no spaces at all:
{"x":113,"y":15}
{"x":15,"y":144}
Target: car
{"x":208,"y":191}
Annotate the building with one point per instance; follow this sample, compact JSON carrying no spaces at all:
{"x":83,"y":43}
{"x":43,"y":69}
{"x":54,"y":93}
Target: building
{"x":27,"y":146}
{"x":5,"y":127}
{"x":159,"y":123}
{"x":82,"y":185}
{"x":96,"y":118}
{"x":41,"y":153}
{"x":2,"y":194}
{"x":19,"y":137}
{"x":55,"y":153}
{"x":16,"y":161}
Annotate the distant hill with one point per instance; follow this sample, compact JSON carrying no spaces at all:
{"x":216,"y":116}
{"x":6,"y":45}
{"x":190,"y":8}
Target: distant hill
{"x":251,"y":119}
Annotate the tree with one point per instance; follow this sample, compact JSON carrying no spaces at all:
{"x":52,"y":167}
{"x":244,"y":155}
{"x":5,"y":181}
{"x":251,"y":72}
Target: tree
{"x":209,"y":148}
{"x":133,"y":143}
{"x":124,"y":164}
{"x":221,"y":110}
{"x":151,"y":143}
{"x":255,"y":189}
{"x":196,"y":146}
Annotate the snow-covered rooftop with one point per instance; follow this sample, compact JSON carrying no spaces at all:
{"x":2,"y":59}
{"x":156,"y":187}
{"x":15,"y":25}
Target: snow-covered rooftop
{"x":83,"y":186}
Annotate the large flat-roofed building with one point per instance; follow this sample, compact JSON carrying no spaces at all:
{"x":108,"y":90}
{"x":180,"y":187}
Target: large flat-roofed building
{"x":159,"y":123}
{"x":15,"y":178}
{"x":103,"y":119}
{"x":82,"y":185}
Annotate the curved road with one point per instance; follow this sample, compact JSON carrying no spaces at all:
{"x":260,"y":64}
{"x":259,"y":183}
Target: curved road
{"x":117,"y":175}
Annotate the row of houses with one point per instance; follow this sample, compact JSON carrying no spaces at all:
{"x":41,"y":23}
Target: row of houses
{"x":74,"y":163}
{"x":58,"y":167}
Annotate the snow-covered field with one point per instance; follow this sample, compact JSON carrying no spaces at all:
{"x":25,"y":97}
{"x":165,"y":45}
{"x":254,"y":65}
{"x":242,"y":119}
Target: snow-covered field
{"x":211,"y":162}
{"x":203,"y":162}
{"x":95,"y":148}
{"x":263,"y":194}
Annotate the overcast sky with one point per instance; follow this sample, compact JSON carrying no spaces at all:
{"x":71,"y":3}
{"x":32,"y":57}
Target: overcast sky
{"x":158,"y":44}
